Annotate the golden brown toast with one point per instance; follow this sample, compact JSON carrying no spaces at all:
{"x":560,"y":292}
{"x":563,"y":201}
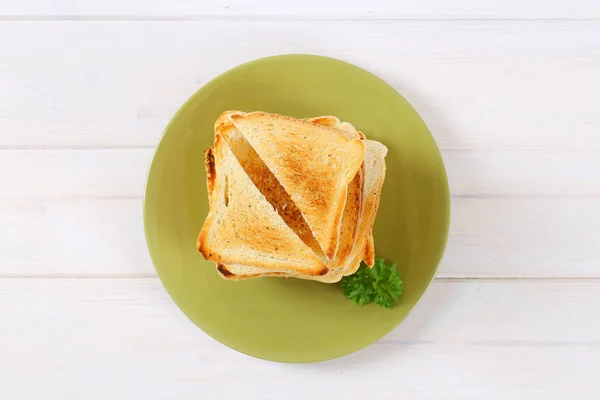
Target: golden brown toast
{"x":243,"y":228}
{"x":314,"y":172}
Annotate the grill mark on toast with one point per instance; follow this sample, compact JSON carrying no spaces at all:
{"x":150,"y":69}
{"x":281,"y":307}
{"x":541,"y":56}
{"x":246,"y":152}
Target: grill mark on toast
{"x":223,"y":270}
{"x":226,"y":191}
{"x":209,"y":166}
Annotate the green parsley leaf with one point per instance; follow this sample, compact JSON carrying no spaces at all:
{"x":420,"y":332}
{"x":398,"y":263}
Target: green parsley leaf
{"x":381,"y":284}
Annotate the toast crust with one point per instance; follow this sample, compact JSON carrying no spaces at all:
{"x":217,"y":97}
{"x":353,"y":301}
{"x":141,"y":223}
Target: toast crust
{"x":369,"y":256}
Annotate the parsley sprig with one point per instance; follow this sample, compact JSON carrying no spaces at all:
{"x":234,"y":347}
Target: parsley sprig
{"x":381,"y":284}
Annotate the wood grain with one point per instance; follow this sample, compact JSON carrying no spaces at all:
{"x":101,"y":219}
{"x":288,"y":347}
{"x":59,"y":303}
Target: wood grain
{"x":124,"y":338}
{"x":477,"y":84}
{"x":503,"y":238}
{"x":375,"y":9}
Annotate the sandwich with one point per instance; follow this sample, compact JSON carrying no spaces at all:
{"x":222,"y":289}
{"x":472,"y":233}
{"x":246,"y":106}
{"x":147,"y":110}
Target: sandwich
{"x":290,"y":197}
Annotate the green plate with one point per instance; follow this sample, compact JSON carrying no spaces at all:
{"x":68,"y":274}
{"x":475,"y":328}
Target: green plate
{"x":292,"y":320}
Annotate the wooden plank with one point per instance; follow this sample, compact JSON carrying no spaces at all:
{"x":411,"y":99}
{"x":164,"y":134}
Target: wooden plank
{"x":124,"y":338}
{"x":118,"y":173}
{"x":307,"y":9}
{"x":66,"y":174}
{"x":476,"y":84}
{"x":523,"y":238}
{"x":539,"y":237}
{"x":74,"y":237}
{"x":523,"y":173}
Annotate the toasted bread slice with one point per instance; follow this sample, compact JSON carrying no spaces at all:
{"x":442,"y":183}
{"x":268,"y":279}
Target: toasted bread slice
{"x":318,"y":188}
{"x":363,"y":248}
{"x":374,"y":165}
{"x":374,"y":176}
{"x":352,"y":133}
{"x":354,"y":198}
{"x":243,"y":228}
{"x":266,"y":182}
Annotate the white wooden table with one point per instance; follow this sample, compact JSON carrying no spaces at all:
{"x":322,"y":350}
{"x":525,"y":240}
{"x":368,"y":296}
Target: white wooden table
{"x":510,"y":90}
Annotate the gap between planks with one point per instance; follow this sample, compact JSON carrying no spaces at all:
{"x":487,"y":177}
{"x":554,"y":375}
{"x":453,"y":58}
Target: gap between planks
{"x":280,"y":18}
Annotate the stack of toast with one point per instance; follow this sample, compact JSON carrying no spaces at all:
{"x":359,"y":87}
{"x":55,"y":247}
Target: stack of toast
{"x":290,"y":197}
